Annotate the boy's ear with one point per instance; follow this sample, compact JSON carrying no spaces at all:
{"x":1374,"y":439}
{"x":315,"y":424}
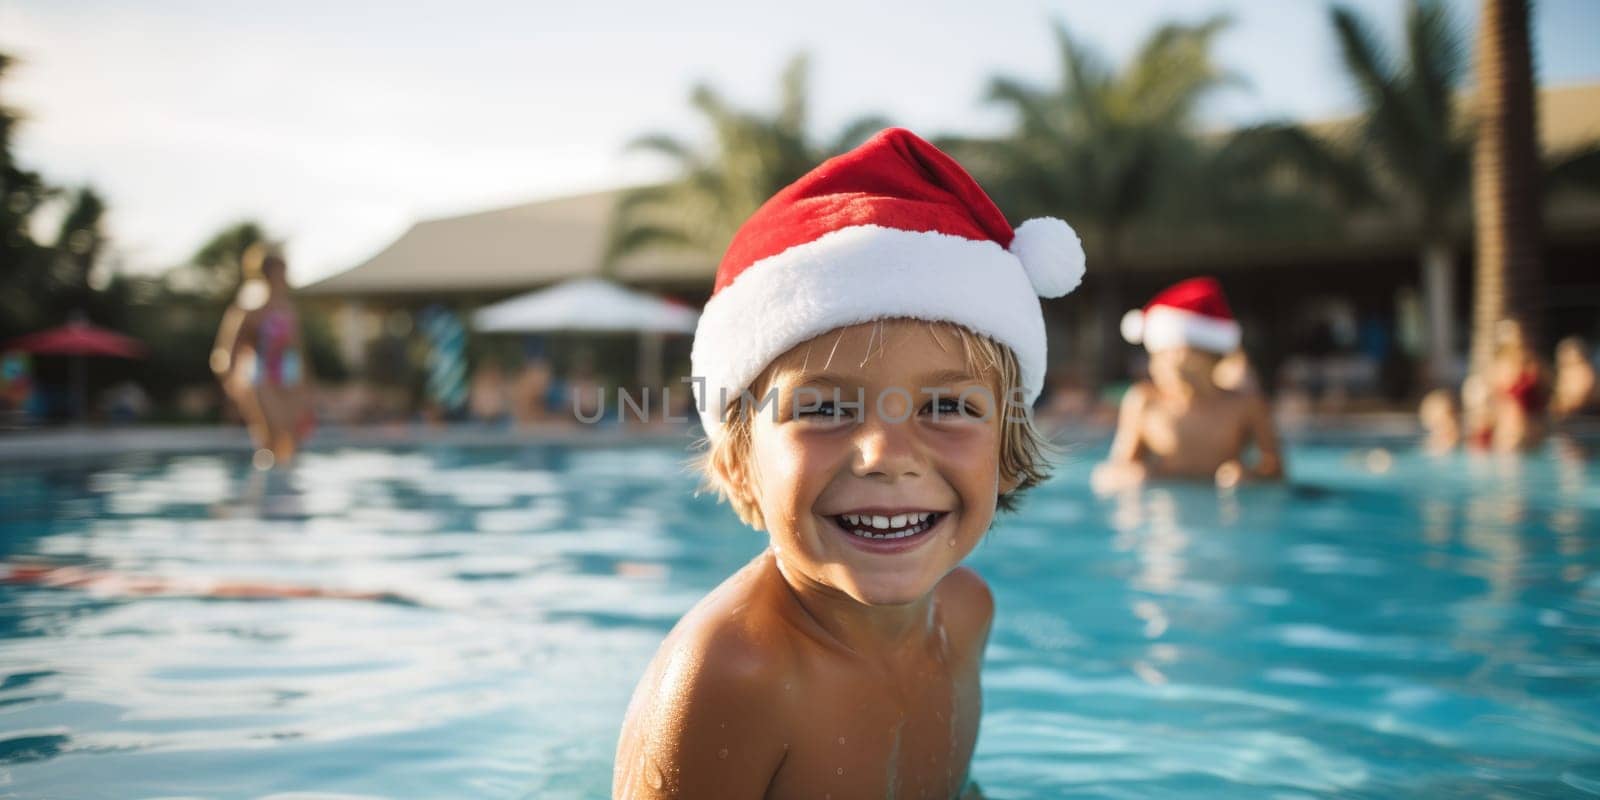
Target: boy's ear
{"x":734,"y":478}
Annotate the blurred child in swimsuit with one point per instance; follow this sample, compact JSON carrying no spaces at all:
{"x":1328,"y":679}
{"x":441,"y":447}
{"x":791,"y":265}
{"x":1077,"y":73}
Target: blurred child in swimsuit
{"x":1575,"y":380}
{"x":1180,"y":423}
{"x":1440,"y":421}
{"x":1519,"y":385}
{"x":259,"y":358}
{"x":864,"y":371}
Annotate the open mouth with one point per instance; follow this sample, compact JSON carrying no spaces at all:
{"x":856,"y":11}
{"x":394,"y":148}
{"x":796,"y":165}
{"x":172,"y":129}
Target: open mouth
{"x":879,"y":527}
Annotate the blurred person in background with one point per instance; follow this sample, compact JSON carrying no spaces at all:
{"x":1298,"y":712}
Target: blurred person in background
{"x":1575,"y":380}
{"x":1440,"y":421}
{"x":16,"y":387}
{"x":1519,"y":391}
{"x":488,"y":395}
{"x":530,"y":392}
{"x":1180,"y":423}
{"x":259,"y":358}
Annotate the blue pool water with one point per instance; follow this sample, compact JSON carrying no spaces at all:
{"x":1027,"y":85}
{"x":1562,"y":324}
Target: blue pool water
{"x":1397,"y":627}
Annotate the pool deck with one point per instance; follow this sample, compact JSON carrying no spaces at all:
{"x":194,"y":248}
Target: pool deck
{"x":47,"y":444}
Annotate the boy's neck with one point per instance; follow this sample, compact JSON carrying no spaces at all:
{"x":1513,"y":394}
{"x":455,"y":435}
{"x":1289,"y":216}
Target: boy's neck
{"x":1186,"y":391}
{"x":873,"y":632}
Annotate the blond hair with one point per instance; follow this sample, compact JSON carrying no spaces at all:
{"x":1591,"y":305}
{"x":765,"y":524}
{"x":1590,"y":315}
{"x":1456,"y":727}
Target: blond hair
{"x":1024,"y":450}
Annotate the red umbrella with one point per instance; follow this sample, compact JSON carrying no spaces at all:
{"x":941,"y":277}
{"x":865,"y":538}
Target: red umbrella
{"x":78,"y":338}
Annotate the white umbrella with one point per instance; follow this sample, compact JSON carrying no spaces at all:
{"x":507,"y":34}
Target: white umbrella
{"x":593,"y":305}
{"x":586,"y":304}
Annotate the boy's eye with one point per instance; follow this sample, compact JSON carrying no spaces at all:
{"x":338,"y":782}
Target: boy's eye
{"x":823,"y":411}
{"x":950,"y":407}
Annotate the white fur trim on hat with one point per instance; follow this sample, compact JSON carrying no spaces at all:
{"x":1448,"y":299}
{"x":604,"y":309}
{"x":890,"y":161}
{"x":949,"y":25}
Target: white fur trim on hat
{"x":1133,"y":326}
{"x":1051,"y":253}
{"x":1165,"y":327}
{"x":859,"y":274}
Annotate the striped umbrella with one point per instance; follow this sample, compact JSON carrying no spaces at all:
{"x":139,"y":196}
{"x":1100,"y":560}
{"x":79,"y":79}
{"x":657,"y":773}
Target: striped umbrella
{"x":447,"y":358}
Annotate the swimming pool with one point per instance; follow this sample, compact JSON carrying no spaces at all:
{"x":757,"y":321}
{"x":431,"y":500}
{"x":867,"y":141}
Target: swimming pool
{"x":1398,"y":627}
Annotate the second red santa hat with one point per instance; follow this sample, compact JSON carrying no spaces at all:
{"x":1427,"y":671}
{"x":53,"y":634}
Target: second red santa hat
{"x":1192,"y":312}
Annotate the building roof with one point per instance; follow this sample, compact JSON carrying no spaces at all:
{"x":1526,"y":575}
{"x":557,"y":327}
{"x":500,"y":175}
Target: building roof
{"x":508,"y":249}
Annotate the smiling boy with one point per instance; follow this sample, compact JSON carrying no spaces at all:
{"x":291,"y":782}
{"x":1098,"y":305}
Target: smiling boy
{"x":864,"y":369}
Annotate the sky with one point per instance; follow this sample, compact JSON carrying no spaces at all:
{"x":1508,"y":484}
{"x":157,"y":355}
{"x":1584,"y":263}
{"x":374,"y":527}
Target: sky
{"x":338,"y":125}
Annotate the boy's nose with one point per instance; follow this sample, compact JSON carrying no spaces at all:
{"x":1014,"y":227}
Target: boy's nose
{"x":886,"y":449}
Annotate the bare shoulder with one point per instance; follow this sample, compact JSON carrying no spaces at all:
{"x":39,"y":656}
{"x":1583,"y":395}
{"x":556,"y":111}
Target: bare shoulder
{"x":1249,"y":406}
{"x":707,"y":719}
{"x":1138,"y":395}
{"x":967,"y":604}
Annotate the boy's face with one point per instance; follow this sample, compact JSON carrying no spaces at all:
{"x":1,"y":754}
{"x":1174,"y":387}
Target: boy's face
{"x":826,"y":477}
{"x":1183,"y":364}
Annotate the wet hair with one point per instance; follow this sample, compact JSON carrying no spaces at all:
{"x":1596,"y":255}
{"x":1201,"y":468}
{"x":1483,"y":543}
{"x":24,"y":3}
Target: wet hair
{"x":1024,"y":451}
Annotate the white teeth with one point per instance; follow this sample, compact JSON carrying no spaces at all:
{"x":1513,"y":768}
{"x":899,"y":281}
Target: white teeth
{"x":893,"y":528}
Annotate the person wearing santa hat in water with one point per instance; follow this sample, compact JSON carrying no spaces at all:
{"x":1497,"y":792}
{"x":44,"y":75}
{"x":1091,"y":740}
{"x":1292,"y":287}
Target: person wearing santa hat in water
{"x":864,"y":371}
{"x":1180,"y":423}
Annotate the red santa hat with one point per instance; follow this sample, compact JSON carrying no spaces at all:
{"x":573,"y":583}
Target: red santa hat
{"x":1192,"y":312}
{"x":893,"y":228}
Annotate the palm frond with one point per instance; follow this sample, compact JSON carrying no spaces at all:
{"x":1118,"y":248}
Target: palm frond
{"x":857,"y":131}
{"x":1436,"y":57}
{"x":793,"y":93}
{"x":1029,"y":105}
{"x":669,"y":146}
{"x":1173,"y":70}
{"x":1084,"y":78}
{"x":1365,"y":57}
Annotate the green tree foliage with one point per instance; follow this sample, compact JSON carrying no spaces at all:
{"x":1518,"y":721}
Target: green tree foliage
{"x":1099,"y":146}
{"x":751,"y":156}
{"x":22,"y":259}
{"x":1106,"y":148}
{"x":214,"y":270}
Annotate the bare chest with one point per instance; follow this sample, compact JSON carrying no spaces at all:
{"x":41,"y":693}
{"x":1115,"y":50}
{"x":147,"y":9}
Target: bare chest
{"x":873,"y":736}
{"x":1199,"y":438}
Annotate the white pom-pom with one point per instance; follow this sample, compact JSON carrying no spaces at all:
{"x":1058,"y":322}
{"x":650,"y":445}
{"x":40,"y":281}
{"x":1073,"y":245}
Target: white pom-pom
{"x":1133,"y":326}
{"x":1051,"y":254}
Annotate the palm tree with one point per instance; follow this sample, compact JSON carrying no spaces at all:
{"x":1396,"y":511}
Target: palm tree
{"x":1102,"y":146}
{"x":751,"y":157}
{"x":1413,"y":147}
{"x":1505,"y":181}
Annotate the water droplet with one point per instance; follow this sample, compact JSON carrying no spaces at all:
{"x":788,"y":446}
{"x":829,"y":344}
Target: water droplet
{"x":652,"y":774}
{"x":723,"y":753}
{"x":841,"y":740}
{"x":951,"y":542}
{"x":839,"y":771}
